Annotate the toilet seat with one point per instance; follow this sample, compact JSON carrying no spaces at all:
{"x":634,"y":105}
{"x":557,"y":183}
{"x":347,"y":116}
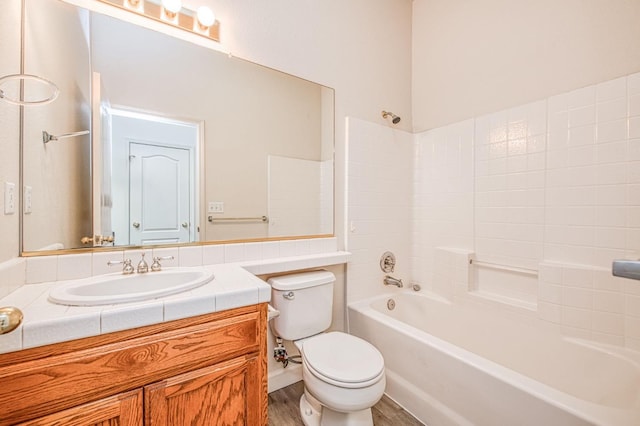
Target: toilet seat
{"x":343,"y":360}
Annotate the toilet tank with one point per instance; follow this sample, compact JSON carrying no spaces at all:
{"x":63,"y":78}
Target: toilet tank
{"x":305,"y":302}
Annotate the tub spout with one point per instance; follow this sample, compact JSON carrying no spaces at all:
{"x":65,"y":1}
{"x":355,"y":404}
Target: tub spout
{"x":389,"y":280}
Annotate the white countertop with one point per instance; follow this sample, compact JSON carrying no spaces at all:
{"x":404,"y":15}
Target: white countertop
{"x":234,"y":285}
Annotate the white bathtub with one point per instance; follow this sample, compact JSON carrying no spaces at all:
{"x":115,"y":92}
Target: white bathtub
{"x":454,"y":365}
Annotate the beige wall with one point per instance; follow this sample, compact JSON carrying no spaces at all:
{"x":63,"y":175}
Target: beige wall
{"x":359,"y":48}
{"x":9,"y":125}
{"x":476,"y":57}
{"x":248,"y":112}
{"x":58,"y":171}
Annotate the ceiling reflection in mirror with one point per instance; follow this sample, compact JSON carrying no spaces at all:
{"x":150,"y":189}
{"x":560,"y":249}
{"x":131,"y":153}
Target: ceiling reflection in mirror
{"x":186,"y":143}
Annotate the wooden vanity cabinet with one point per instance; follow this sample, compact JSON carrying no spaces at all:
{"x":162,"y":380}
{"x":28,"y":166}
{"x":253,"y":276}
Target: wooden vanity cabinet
{"x":205,"y":370}
{"x":118,"y":410}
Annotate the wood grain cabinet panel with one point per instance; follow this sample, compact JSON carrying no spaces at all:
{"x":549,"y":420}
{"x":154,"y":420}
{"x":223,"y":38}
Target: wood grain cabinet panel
{"x":207,"y":370}
{"x":221,"y":395}
{"x":119,"y":410}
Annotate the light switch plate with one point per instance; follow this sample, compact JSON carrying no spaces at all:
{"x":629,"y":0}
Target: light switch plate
{"x":9,"y":198}
{"x":27,"y":199}
{"x":215,"y":207}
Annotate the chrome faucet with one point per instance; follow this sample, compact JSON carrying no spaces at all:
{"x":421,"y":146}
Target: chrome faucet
{"x":127,"y":268}
{"x":389,"y":280}
{"x":142,"y":266}
{"x":156,"y":266}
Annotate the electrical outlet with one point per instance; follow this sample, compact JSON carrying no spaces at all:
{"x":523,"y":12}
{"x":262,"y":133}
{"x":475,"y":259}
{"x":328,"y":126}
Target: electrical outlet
{"x":27,"y":199}
{"x":215,"y":207}
{"x":9,"y":198}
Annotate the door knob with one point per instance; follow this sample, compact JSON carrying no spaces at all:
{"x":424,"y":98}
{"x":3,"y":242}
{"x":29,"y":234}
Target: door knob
{"x":136,"y":224}
{"x":185,"y":224}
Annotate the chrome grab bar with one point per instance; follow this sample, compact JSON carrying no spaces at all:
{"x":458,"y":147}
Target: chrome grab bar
{"x":237,"y":219}
{"x":48,"y":137}
{"x":516,"y":269}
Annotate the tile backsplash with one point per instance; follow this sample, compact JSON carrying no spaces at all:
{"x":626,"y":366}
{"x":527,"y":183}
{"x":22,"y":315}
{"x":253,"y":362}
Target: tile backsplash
{"x":38,"y":269}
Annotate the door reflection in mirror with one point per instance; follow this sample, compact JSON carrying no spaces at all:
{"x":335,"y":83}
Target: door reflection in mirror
{"x":154,"y":179}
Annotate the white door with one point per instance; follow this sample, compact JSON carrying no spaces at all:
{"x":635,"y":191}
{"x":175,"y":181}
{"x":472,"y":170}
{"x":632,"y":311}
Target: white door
{"x":159,"y":194}
{"x":154,"y":179}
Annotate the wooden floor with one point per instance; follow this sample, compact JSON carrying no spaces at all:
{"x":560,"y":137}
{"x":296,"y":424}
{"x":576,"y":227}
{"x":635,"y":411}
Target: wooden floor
{"x":284,"y":409}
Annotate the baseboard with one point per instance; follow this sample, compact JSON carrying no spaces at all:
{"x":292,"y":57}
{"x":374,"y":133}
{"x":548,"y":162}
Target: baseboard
{"x":285,"y":377}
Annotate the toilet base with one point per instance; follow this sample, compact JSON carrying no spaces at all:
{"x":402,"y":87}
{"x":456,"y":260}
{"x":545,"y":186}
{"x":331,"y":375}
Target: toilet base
{"x":315,"y":414}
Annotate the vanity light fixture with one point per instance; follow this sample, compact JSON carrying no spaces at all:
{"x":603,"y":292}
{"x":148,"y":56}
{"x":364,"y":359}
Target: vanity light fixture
{"x":170,"y":10}
{"x":135,"y":5}
{"x":203,"y":22}
{"x":206,"y":18}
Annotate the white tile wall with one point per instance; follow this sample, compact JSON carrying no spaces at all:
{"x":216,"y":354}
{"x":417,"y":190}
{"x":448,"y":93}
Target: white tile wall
{"x":41,"y":269}
{"x":293,"y":209}
{"x":13,"y":274}
{"x":555,"y":186}
{"x":189,"y":256}
{"x":443,"y":200}
{"x":74,"y":266}
{"x":587,"y":302}
{"x":379,"y":204}
{"x":451,"y":271}
{"x":509,"y":208}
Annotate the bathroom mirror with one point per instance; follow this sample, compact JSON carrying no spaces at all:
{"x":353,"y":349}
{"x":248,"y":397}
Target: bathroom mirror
{"x":186,"y":144}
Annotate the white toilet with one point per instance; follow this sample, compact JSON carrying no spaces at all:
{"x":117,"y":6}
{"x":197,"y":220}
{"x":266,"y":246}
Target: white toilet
{"x":343,"y":375}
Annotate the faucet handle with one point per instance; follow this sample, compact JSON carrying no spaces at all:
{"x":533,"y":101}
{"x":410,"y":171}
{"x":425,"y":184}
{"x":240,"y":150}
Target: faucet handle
{"x":143,"y":266}
{"x":156,"y":266}
{"x":127,"y":268}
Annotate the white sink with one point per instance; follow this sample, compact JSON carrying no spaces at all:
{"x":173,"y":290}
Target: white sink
{"x":119,"y":288}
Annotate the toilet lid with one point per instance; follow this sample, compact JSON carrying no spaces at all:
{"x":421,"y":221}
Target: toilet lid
{"x":343,"y":357}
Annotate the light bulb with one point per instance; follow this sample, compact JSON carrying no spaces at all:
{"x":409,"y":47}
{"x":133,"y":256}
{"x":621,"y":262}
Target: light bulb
{"x":172,"y":6}
{"x":134,"y":4}
{"x":206,"y":17}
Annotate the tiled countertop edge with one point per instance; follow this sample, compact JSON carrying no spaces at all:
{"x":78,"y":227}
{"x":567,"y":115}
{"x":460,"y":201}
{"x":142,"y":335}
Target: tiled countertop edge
{"x":235,"y":285}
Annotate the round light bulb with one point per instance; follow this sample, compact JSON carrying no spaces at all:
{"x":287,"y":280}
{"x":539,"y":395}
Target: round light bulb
{"x":206,"y":17}
{"x":172,"y":6}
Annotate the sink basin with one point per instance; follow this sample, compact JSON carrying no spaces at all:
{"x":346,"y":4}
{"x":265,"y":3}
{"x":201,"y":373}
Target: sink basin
{"x":118,"y":288}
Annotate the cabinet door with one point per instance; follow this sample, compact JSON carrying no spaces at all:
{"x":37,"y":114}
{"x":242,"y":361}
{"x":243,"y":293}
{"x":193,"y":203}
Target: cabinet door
{"x":124,"y":409}
{"x":223,"y":394}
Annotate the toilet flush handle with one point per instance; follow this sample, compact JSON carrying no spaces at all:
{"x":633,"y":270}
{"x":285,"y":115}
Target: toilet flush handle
{"x":289,"y":295}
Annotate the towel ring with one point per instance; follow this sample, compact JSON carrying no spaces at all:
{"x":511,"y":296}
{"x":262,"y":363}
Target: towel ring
{"x":12,"y":77}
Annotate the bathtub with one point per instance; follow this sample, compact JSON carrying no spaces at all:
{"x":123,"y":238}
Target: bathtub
{"x":468,"y":364}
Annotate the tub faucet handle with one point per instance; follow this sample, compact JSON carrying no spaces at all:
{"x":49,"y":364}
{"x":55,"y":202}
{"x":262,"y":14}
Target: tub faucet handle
{"x":387,"y":262}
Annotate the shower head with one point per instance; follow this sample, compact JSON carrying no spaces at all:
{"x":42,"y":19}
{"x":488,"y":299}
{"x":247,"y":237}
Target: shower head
{"x":394,"y":118}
